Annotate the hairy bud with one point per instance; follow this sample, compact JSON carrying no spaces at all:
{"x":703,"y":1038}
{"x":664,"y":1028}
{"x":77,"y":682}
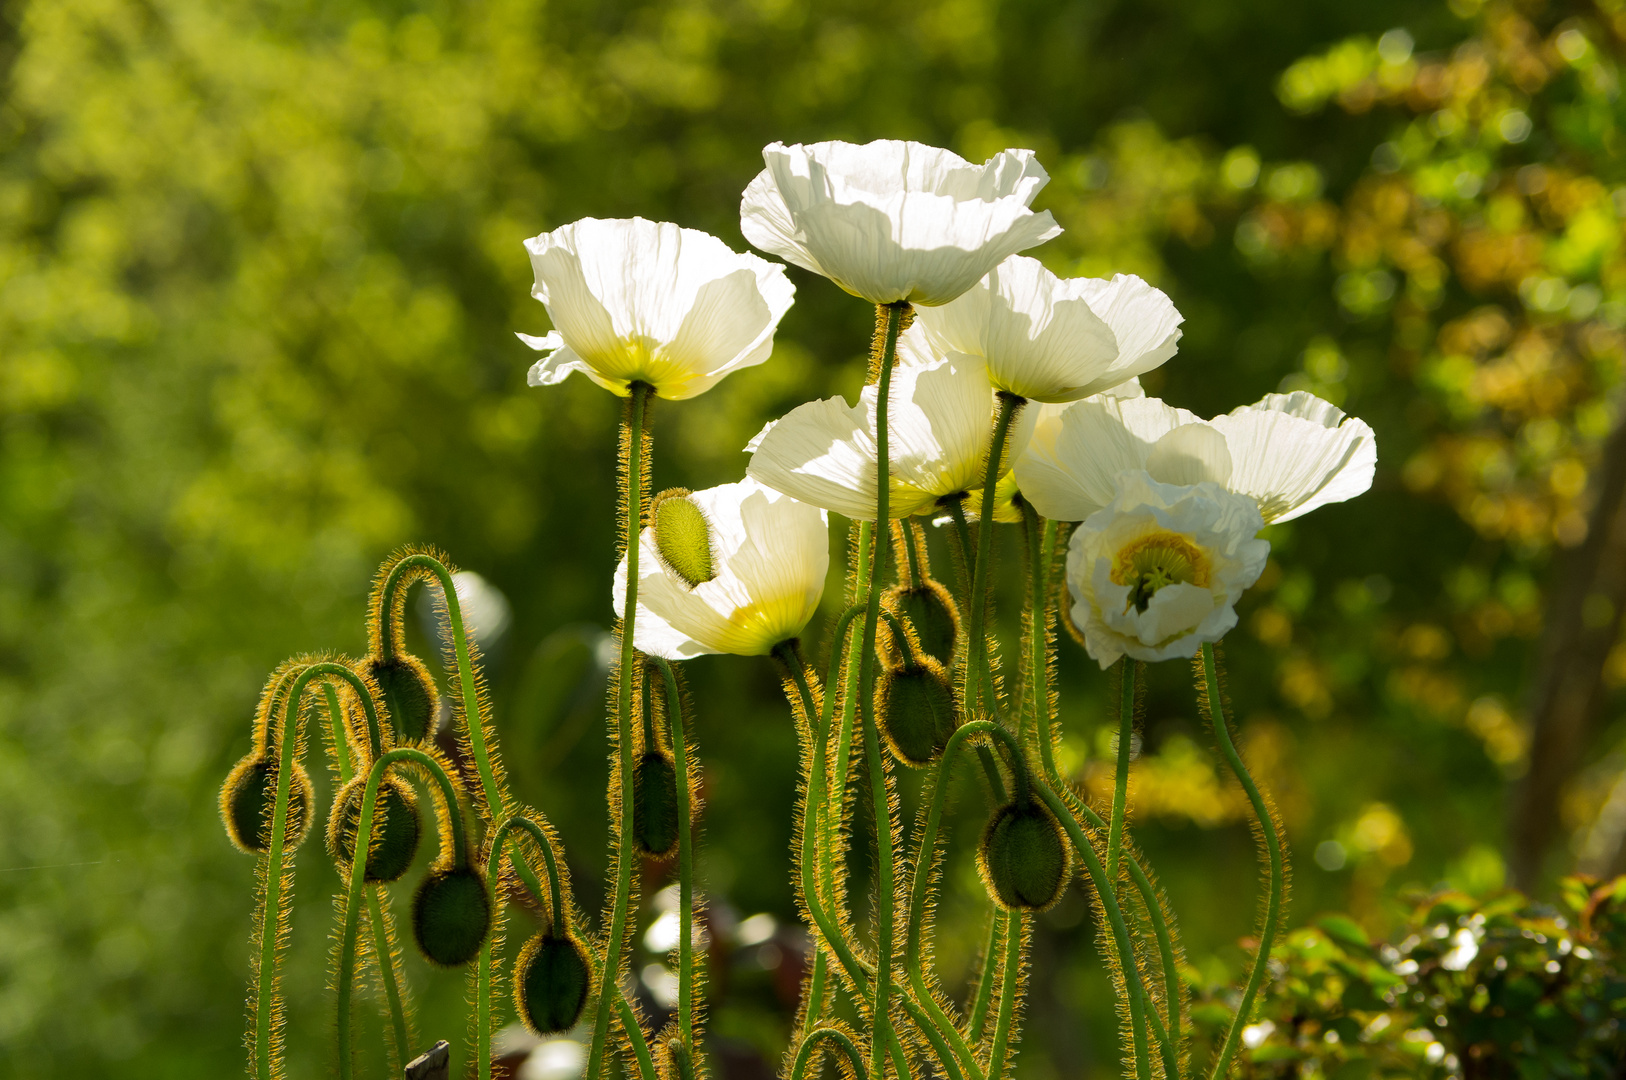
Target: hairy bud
{"x":655,"y":805}
{"x":915,"y":704}
{"x":1024,"y":858}
{"x":551,"y":981}
{"x":451,"y":916}
{"x":410,"y":696}
{"x":396,"y":828}
{"x":683,"y":536}
{"x":248,"y":799}
{"x":931,"y":610}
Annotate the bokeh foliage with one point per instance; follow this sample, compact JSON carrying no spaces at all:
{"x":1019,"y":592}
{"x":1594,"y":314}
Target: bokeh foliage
{"x":259,"y":274}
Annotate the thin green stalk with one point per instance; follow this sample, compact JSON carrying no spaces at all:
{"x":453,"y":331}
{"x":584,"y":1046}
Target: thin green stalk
{"x":1272,"y":844}
{"x":837,"y":1036}
{"x":358,"y":873}
{"x":609,"y":975}
{"x":984,"y":995}
{"x":680,"y":752}
{"x":981,"y":668}
{"x":1006,"y":1017}
{"x":1128,"y":675}
{"x":884,"y":944}
{"x":1041,"y":548}
{"x":271,"y":923}
{"x":911,"y":554}
{"x":635,"y":1036}
{"x":383,"y":946}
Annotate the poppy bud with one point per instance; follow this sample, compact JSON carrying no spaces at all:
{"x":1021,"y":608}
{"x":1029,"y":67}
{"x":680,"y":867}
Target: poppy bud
{"x":396,"y":828}
{"x":551,"y":981}
{"x":683,"y":536}
{"x":248,"y":799}
{"x":451,"y":916}
{"x":930,"y":609}
{"x":1024,"y":857}
{"x":655,"y":805}
{"x":409,"y":693}
{"x":915,"y":706}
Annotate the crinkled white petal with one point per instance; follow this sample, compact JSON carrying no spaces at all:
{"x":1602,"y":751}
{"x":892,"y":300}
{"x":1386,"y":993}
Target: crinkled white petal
{"x":894,"y":221}
{"x":1144,"y":322}
{"x":940,"y":419}
{"x":1179,"y":617}
{"x":771,"y":554}
{"x":1070,"y":467}
{"x":635,"y":300}
{"x":1190,"y":454}
{"x":1295,"y":452}
{"x":1056,"y":339}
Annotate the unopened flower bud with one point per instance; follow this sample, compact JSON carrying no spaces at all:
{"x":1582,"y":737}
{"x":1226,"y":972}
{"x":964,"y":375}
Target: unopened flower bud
{"x":931,"y":610}
{"x":410,"y":696}
{"x":1024,"y":858}
{"x":248,"y":800}
{"x":915,"y":706}
{"x":551,"y":981}
{"x":451,"y":915}
{"x":396,"y":828}
{"x":683,"y":536}
{"x":655,"y":805}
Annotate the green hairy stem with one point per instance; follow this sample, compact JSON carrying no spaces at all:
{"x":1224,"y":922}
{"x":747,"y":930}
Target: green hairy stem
{"x":981,"y":670}
{"x":1128,"y":675}
{"x":610,"y":972}
{"x":1270,"y":841}
{"x":686,"y":965}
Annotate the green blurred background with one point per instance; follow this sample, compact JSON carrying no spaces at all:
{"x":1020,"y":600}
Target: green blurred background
{"x":260,"y":270}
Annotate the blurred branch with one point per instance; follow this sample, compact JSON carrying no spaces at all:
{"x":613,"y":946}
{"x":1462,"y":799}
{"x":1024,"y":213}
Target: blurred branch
{"x":1583,"y":625}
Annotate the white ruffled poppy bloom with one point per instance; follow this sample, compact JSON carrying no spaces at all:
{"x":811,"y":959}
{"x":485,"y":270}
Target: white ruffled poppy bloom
{"x":893,"y":221}
{"x":1157,"y":573}
{"x":939,"y":424}
{"x":645,"y":301}
{"x":1056,"y":339}
{"x":768,"y":556}
{"x":1290,"y":453}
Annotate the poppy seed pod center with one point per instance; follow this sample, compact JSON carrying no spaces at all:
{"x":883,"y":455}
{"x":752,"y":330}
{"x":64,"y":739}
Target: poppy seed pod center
{"x":683,"y":537}
{"x":1155,"y":560}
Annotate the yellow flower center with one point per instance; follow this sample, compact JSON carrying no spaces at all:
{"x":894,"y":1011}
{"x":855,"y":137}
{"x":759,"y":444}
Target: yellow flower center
{"x":1150,"y":562}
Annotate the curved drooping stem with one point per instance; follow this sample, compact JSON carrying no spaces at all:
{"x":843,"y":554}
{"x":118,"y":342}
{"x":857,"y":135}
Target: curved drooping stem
{"x":632,"y":489}
{"x":804,"y":1054}
{"x":273,"y":927}
{"x":686,"y":966}
{"x":491,"y":787}
{"x":979,"y":666}
{"x":890,"y":319}
{"x":377,"y":918}
{"x":358,"y":870}
{"x":1211,"y":696}
{"x":558,"y":919}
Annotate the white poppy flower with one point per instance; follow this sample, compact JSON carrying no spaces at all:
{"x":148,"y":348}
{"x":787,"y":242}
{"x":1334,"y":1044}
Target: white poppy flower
{"x":1157,"y":573}
{"x":644,"y":301}
{"x":1056,"y":339}
{"x":940,"y":418}
{"x":893,"y":221}
{"x":1289,"y":452}
{"x":768,"y":555}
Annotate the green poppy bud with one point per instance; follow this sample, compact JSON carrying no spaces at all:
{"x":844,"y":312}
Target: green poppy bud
{"x":396,"y":828}
{"x":248,"y":799}
{"x":931,"y":610}
{"x":915,"y":705}
{"x":1024,"y":858}
{"x":683,"y":536}
{"x":551,"y":981}
{"x":410,"y":696}
{"x":655,"y":805}
{"x":451,"y":916}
